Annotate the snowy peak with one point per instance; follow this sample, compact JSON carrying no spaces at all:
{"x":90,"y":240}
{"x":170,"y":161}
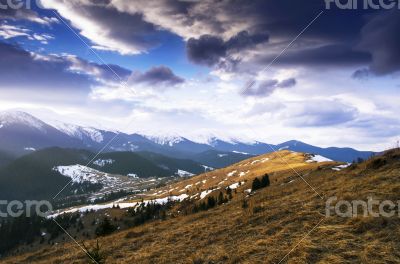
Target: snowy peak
{"x":169,"y":140}
{"x":80,"y":132}
{"x":9,"y":118}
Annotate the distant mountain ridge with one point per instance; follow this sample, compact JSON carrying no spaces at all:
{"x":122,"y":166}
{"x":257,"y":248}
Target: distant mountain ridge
{"x":22,"y":133}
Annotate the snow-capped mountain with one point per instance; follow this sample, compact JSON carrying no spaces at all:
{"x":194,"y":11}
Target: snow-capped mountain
{"x":15,"y":118}
{"x":82,"y":133}
{"x":21,"y":133}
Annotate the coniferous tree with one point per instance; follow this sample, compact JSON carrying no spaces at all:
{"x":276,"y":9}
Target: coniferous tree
{"x":265,"y":182}
{"x":211,"y":202}
{"x":105,"y":227}
{"x":256,"y":185}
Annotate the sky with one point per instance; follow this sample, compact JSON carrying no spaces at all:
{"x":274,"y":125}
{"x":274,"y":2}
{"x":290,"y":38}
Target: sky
{"x":261,"y":70}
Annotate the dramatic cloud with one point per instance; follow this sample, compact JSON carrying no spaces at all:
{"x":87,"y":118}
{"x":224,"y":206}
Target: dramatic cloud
{"x":223,"y":34}
{"x":106,"y":27}
{"x":380,"y":38}
{"x":334,"y":55}
{"x":209,"y":49}
{"x":266,"y":88}
{"x":160,"y":75}
{"x":103,"y":73}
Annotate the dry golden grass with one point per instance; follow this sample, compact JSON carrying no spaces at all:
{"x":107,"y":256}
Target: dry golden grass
{"x":273,"y":229}
{"x":282,"y":167}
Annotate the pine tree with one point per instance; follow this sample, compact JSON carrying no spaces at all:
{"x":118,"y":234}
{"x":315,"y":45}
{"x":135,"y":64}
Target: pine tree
{"x":105,"y":227}
{"x":265,"y":181}
{"x":211,"y":202}
{"x":256,"y":185}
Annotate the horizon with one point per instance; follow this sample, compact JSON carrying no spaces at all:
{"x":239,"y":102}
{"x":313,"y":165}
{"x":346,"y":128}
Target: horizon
{"x":201,"y":139}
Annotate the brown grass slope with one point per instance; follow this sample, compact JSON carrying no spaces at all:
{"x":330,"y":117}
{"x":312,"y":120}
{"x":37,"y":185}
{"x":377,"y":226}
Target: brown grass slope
{"x":283,"y":224}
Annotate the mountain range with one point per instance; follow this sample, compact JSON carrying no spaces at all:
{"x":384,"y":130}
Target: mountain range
{"x":22,"y":133}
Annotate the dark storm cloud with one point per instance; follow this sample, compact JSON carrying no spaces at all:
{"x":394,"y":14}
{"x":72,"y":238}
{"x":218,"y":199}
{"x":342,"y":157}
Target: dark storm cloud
{"x":160,"y":75}
{"x":107,"y":27}
{"x":208,"y":50}
{"x":218,"y":31}
{"x":266,"y":88}
{"x":335,"y":55}
{"x":380,"y":37}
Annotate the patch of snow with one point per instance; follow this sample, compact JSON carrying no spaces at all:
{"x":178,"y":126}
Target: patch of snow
{"x":317,"y":158}
{"x":205,"y":193}
{"x":182,"y":173}
{"x":241,"y":174}
{"x":255,"y":161}
{"x":98,"y":207}
{"x":265,"y":160}
{"x":133,"y":175}
{"x":207,"y":168}
{"x":222,"y":155}
{"x":230,"y":174}
{"x":239,"y":152}
{"x":341,"y":167}
{"x":235,"y":185}
{"x":30,"y":149}
{"x":79,"y":173}
{"x":102,"y":162}
{"x":283,"y":148}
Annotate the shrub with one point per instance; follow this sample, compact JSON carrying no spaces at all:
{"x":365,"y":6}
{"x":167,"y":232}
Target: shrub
{"x":95,"y":255}
{"x":105,"y":227}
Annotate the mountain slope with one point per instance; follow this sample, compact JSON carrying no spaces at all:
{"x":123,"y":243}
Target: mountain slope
{"x":173,"y":164}
{"x":284,"y":222}
{"x":32,"y":176}
{"x":21,"y":133}
{"x":339,"y":154}
{"x":125,"y":163}
{"x":5,"y":158}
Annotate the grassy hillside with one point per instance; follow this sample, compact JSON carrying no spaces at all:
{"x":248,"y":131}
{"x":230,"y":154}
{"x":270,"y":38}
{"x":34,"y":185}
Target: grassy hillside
{"x":283,"y":223}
